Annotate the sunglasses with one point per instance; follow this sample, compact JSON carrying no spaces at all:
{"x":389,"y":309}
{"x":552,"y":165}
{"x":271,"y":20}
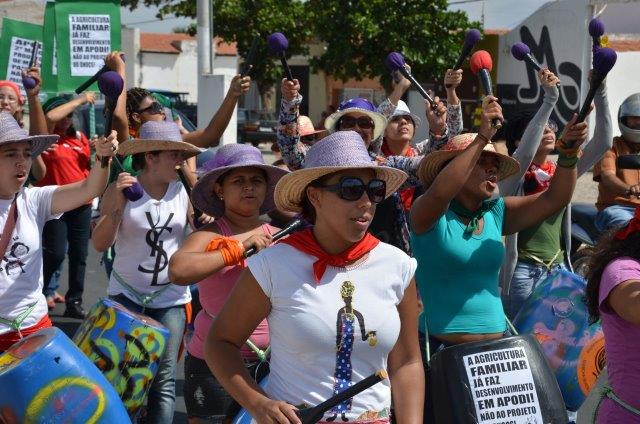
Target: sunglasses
{"x":352,"y":189}
{"x":364,"y":122}
{"x":154,"y":109}
{"x":308,"y":139}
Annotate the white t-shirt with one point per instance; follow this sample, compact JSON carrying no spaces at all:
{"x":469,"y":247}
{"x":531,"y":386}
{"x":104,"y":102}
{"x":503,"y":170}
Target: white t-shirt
{"x":309,"y":360}
{"x":21,"y":266}
{"x":150,"y":232}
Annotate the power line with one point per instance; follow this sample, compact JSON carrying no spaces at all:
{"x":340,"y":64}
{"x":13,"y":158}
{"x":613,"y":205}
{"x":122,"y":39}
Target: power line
{"x":153,"y":20}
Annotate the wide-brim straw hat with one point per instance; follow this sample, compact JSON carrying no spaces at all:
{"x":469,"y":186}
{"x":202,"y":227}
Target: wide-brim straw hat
{"x":10,"y":132}
{"x":432,"y":164}
{"x":157,"y":136}
{"x":360,"y":106}
{"x":342,"y":150}
{"x":228,"y":157}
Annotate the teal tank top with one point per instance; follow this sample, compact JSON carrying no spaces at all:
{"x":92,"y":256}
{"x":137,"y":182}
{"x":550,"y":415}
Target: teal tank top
{"x":457,"y":275}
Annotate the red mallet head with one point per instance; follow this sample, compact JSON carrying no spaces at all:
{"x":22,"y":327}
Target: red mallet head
{"x":480,"y":60}
{"x":394,"y":61}
{"x":277,"y":42}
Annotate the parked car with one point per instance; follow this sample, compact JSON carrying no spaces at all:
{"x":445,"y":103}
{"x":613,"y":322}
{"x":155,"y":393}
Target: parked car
{"x":256,"y":127}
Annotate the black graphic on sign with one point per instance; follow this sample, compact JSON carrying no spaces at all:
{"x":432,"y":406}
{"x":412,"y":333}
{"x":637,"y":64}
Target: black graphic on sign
{"x":516,"y":98}
{"x":157,"y":250}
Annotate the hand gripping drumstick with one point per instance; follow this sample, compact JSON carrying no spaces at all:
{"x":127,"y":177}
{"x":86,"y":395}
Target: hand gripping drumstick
{"x":395,"y":62}
{"x":290,"y":228}
{"x":27,"y":82}
{"x":278,"y":43}
{"x":481,"y":65}
{"x":313,"y":415}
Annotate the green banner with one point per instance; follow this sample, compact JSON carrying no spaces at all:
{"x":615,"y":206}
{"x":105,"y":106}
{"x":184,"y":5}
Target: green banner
{"x":49,"y":70}
{"x":85,"y":32}
{"x":16,"y":47}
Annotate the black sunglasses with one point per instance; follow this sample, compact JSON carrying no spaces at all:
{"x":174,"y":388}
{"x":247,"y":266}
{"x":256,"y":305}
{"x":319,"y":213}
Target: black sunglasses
{"x":352,"y":189}
{"x":364,"y":122}
{"x":154,"y":108}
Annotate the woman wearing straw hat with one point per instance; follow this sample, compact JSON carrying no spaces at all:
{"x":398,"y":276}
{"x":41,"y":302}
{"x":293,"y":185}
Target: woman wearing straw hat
{"x":147,"y":232}
{"x":237,"y":189}
{"x":340,"y":304}
{"x":23,"y":213}
{"x":457,"y":227}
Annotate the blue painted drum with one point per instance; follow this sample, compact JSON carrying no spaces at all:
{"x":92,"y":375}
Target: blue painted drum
{"x":557,"y":316}
{"x":46,"y":378}
{"x":126,"y":346}
{"x":243,"y":416}
{"x":495,"y":381}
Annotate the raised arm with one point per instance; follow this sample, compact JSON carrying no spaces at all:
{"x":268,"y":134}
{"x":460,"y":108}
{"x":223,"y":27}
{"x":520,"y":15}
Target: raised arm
{"x":120,"y":122}
{"x":210,"y":136}
{"x":292,"y":149}
{"x":532,"y":135}
{"x":524,"y":211}
{"x":74,"y":195}
{"x":430,"y":206}
{"x":112,"y":206}
{"x":452,"y":80}
{"x":602,"y":134}
{"x":57,"y":114}
{"x":222,"y":351}
{"x":37,"y":119}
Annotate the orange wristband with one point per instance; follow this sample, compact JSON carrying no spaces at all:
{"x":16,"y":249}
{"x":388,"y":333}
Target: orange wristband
{"x":231,"y":249}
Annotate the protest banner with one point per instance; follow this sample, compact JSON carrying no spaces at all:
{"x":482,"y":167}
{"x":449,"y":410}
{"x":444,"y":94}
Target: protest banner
{"x":16,"y":47}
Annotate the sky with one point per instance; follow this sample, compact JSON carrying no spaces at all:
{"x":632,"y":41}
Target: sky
{"x":145,"y":19}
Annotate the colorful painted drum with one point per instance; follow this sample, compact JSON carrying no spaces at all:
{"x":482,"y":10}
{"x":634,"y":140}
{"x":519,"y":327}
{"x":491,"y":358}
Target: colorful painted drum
{"x":125,"y":346}
{"x":557,"y":316}
{"x":46,"y":378}
{"x":495,"y":381}
{"x":243,"y":416}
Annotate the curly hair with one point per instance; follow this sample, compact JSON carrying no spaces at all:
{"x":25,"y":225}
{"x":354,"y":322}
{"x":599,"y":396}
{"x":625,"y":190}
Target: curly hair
{"x":135,"y":96}
{"x":606,"y":250}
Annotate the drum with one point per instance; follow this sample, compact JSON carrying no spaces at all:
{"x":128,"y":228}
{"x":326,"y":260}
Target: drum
{"x":495,"y":381}
{"x":126,"y":346}
{"x":557,"y":316}
{"x":46,"y":378}
{"x":243,"y":416}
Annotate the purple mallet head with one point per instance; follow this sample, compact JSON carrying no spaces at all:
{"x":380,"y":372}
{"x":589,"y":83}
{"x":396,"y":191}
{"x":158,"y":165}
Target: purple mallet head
{"x":133,"y":192}
{"x":110,"y":84}
{"x":520,"y":50}
{"x":596,"y":27}
{"x":603,"y":61}
{"x":472,"y":37}
{"x":277,"y":42}
{"x":28,"y":83}
{"x":394,"y":61}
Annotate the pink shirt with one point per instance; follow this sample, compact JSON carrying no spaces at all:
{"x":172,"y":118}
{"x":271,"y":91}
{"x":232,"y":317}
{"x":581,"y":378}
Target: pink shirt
{"x":214,"y":291}
{"x":622,"y":345}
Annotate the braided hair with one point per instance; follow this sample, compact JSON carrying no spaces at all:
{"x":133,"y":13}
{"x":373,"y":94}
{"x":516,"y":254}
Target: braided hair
{"x":135,"y":96}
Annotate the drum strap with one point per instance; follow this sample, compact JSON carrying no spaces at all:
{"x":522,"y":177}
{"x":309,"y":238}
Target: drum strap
{"x":547,"y":265}
{"x":607,"y":392}
{"x":144,"y":299}
{"x":261,"y":354}
{"x":17,"y":322}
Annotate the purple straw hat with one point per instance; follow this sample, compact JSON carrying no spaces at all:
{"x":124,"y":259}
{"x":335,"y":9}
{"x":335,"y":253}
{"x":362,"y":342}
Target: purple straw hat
{"x":357,"y":105}
{"x":339,"y":151}
{"x":158,"y":135}
{"x":10,"y":132}
{"x":228,"y":157}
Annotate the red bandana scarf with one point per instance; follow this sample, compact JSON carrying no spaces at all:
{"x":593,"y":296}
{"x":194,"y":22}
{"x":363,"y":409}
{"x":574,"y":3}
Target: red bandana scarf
{"x":631,"y":227}
{"x":406,"y":194}
{"x":537,"y":178}
{"x":305,"y":242}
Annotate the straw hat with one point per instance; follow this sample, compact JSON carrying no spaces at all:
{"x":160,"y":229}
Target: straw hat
{"x":339,"y":151}
{"x":228,"y":157}
{"x":361,"y":106}
{"x":432,"y":164}
{"x":10,"y":132}
{"x":305,"y":127}
{"x":156,"y":136}
{"x":403,"y":110}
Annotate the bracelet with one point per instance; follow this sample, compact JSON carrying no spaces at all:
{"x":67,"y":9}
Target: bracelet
{"x":483,"y":138}
{"x":565,"y":161}
{"x":232,"y":250}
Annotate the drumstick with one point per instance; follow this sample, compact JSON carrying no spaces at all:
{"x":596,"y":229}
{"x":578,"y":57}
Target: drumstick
{"x":313,"y":415}
{"x":290,"y":228}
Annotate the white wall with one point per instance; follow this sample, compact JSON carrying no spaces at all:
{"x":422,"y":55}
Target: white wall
{"x":622,"y":82}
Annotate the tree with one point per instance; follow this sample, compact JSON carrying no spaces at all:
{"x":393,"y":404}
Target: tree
{"x":360,"y":33}
{"x":240,"y":20}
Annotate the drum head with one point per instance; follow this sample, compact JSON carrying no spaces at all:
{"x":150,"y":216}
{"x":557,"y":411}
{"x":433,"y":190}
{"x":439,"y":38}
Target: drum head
{"x":25,"y":348}
{"x":148,"y":321}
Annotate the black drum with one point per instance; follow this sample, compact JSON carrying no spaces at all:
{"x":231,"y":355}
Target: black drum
{"x":504,"y":381}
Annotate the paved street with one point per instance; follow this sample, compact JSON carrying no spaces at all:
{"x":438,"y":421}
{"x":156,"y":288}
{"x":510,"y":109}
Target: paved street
{"x":96,"y":283}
